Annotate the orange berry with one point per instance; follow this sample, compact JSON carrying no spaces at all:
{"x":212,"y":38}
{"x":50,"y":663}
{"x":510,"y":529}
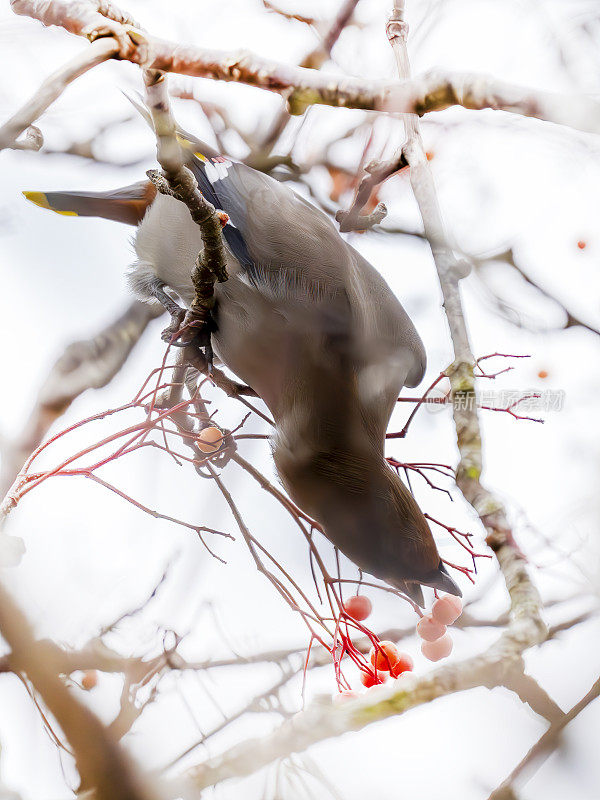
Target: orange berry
{"x":358,"y":607}
{"x":430,"y":629}
{"x":385,"y":656}
{"x":210,"y":439}
{"x":404,"y":664}
{"x":368,"y":679}
{"x":89,"y":679}
{"x":542,"y":374}
{"x":581,"y":244}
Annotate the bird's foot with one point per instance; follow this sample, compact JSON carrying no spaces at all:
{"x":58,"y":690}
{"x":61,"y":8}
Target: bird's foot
{"x":173,"y":328}
{"x":194,"y":334}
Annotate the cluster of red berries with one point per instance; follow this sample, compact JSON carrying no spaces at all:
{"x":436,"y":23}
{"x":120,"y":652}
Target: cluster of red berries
{"x":386,"y":660}
{"x":431,"y":628}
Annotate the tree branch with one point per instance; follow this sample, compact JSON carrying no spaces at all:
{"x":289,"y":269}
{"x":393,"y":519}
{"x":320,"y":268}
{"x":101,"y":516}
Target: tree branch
{"x":543,"y":748}
{"x":100,"y":762}
{"x":211,"y":264}
{"x":86,"y":364}
{"x":53,"y":87}
{"x":303,"y":87}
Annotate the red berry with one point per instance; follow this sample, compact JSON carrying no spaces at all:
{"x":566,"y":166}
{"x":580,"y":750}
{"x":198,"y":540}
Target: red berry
{"x":581,"y":244}
{"x":404,"y":664}
{"x":385,"y":656}
{"x":441,"y":648}
{"x":447,"y":609}
{"x":368,"y":679}
{"x":542,"y":374}
{"x":430,"y":629}
{"x":358,"y":607}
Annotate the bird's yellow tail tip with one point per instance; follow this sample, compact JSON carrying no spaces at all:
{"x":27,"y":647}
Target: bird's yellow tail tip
{"x":41,"y":200}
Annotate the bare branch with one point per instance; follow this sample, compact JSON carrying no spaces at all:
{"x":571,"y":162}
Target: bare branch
{"x":303,"y":87}
{"x":543,"y":748}
{"x":315,"y":59}
{"x":90,"y":18}
{"x":211,"y":264}
{"x":53,"y":87}
{"x":288,"y":15}
{"x":361,"y":222}
{"x":508,"y":257}
{"x":86,"y":364}
{"x":322,"y":52}
{"x":101,"y":763}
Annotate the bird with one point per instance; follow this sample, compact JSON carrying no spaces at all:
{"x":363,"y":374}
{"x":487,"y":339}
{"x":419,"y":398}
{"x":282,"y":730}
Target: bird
{"x":313,"y":329}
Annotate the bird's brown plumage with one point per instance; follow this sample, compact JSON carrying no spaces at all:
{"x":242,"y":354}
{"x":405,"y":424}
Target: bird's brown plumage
{"x":314,"y":329}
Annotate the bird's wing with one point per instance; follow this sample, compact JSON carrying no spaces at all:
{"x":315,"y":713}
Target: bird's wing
{"x":388,"y":325}
{"x":291,"y":251}
{"x":273,"y":230}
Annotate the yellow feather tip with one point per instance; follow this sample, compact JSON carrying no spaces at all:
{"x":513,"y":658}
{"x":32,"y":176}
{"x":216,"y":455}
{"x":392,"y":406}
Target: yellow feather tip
{"x":40,"y":199}
{"x":185,"y":142}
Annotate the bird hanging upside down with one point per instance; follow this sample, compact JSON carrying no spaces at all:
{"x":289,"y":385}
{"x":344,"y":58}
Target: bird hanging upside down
{"x":314,"y":330}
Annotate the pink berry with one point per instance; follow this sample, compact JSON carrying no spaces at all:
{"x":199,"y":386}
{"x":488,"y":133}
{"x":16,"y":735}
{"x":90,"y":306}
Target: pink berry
{"x":358,"y":607}
{"x":430,"y":629}
{"x":437,"y":650}
{"x":447,"y":609}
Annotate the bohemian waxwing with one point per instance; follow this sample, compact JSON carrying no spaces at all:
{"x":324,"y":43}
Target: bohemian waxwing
{"x":314,"y":330}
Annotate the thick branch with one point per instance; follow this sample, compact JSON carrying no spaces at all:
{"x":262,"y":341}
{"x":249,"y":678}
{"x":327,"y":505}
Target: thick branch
{"x":100,"y":762}
{"x":433,"y":91}
{"x":89,"y":18}
{"x":183,"y":186}
{"x":53,"y":87}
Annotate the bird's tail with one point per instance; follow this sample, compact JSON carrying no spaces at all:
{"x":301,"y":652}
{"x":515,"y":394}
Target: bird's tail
{"x":128,"y":204}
